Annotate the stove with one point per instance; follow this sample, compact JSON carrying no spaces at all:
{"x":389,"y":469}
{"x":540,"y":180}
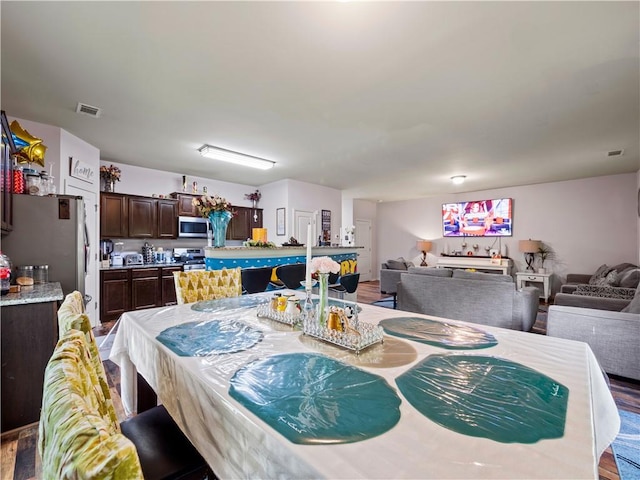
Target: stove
{"x":193,"y":258}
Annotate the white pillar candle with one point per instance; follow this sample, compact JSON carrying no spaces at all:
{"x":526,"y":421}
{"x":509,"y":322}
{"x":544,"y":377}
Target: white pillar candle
{"x":307,"y":278}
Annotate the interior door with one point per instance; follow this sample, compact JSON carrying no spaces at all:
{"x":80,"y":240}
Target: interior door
{"x":91,"y":280}
{"x":363,"y":239}
{"x":301,"y":219}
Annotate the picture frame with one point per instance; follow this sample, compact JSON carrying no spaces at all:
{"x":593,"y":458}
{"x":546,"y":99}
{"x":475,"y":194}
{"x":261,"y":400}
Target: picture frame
{"x":280,"y":223}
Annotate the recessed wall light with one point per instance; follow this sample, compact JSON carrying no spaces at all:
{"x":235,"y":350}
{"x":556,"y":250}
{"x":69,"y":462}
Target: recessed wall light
{"x":235,"y":157}
{"x":458,"y":179}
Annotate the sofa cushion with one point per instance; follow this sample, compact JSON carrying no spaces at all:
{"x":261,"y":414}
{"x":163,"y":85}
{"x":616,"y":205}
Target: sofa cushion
{"x":398,"y":264}
{"x":433,"y":272}
{"x":492,"y":277}
{"x":634,"y":306}
{"x":601,"y":273}
{"x":605,"y":291}
{"x":624,"y":266}
{"x":629,"y":278}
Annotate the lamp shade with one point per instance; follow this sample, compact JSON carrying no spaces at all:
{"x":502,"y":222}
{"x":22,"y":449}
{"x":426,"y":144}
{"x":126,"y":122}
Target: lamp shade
{"x":529,"y":246}
{"x":423,"y":245}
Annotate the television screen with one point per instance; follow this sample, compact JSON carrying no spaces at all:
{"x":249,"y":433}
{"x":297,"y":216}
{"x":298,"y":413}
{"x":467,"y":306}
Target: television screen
{"x":481,"y":218}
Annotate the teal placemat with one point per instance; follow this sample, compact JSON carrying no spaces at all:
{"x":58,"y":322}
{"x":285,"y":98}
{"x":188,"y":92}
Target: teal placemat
{"x":199,"y":339}
{"x":440,"y":334}
{"x":487,"y":397}
{"x":221,"y":304}
{"x":313,"y":399}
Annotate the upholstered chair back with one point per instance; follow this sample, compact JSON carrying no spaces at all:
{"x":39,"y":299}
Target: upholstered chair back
{"x":197,"y":285}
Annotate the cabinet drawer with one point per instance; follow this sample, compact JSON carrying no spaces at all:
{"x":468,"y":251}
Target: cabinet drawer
{"x":168,"y":271}
{"x":115,"y":274}
{"x":144,"y":272}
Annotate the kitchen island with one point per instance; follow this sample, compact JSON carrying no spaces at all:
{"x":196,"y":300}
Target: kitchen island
{"x":246,"y":257}
{"x":29,"y":335}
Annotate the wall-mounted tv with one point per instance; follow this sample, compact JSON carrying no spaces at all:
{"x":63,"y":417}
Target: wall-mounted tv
{"x":481,"y":218}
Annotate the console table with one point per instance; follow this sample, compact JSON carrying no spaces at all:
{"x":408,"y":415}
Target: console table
{"x":503,"y":264}
{"x":523,"y":277}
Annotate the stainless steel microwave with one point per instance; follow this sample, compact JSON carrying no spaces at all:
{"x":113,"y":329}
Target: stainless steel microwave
{"x":192,"y":227}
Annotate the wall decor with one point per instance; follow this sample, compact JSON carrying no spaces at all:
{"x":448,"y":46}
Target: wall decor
{"x":81,"y":170}
{"x":280,"y":225}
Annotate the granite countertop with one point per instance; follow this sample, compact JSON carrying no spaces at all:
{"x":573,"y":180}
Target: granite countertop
{"x":145,"y":265}
{"x":39,"y":293}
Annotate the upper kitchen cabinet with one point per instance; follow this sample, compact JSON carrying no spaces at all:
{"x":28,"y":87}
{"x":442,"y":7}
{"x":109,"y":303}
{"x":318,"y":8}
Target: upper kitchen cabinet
{"x":185,"y":205}
{"x":131,"y":216}
{"x":114,"y":218}
{"x":241,"y":225}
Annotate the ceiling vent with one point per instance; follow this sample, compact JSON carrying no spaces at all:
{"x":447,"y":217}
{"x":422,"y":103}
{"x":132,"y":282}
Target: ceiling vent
{"x":88,"y":110}
{"x":615,"y":153}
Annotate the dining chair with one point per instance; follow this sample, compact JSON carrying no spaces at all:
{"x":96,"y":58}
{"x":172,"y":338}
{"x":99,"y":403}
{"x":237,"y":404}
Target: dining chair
{"x":73,"y":304}
{"x":75,"y":441}
{"x":346,"y":284}
{"x":197,"y":285}
{"x":291,"y":275}
{"x":256,"y":280}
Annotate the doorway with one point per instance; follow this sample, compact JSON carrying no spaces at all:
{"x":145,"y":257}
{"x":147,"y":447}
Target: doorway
{"x":363,"y":239}
{"x":301,"y":219}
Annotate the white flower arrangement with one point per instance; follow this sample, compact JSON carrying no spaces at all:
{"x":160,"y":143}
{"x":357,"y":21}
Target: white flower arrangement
{"x":324,"y":265}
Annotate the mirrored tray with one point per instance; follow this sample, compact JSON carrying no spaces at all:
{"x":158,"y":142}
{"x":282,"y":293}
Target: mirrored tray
{"x":264,"y":311}
{"x":356,"y":339}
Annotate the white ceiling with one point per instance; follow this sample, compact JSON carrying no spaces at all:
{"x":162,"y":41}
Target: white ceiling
{"x":387,"y":100}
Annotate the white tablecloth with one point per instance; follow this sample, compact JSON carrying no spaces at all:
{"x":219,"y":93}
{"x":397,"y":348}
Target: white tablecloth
{"x":237,"y":444}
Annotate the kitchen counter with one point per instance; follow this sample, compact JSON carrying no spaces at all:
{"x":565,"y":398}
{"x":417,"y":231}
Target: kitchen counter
{"x":39,"y":293}
{"x":146,"y":265}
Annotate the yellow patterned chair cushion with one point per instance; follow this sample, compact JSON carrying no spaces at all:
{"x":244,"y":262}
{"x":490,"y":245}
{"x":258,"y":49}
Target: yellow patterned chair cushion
{"x":73,"y":304}
{"x":197,"y":285}
{"x":75,"y":442}
{"x":82,"y":323}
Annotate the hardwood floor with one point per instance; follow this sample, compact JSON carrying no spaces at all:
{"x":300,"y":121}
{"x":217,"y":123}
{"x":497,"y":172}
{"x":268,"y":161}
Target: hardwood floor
{"x":20,"y":460}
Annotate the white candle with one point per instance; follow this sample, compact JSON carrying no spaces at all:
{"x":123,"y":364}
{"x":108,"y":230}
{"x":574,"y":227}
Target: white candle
{"x":307,"y":278}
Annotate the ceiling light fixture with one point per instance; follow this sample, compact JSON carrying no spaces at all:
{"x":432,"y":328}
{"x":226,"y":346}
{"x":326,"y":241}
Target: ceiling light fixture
{"x":235,"y":157}
{"x":458,"y":179}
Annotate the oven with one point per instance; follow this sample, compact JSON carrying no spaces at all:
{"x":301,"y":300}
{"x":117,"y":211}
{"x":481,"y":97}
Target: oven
{"x":192,"y":227}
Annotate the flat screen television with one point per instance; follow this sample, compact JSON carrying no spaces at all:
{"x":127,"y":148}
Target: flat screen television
{"x":480,"y":218}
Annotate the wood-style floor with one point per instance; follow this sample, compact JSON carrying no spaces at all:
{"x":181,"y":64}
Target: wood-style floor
{"x":20,"y":459}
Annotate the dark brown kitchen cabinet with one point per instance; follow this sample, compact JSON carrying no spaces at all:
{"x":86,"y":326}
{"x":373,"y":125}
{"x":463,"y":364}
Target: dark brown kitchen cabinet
{"x":115,"y":296}
{"x":29,"y":335}
{"x":168,"y":285}
{"x":185,"y":205}
{"x":142,"y":217}
{"x":114,"y":218}
{"x":167,"y":219}
{"x":145,"y":288}
{"x":241,"y":225}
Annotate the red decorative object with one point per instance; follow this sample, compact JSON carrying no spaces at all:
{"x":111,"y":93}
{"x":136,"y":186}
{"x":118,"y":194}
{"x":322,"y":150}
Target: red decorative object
{"x":18,"y":181}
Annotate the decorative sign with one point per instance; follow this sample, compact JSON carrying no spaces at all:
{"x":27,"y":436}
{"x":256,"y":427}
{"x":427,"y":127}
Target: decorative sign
{"x":81,"y":170}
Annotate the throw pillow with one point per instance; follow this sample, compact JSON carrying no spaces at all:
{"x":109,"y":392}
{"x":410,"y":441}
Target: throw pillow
{"x":396,"y":264}
{"x":629,"y":278}
{"x":601,"y":273}
{"x":605,"y":291}
{"x":610,"y":279}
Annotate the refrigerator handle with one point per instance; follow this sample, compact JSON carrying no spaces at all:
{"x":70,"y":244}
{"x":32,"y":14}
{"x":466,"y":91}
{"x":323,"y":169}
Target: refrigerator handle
{"x":87,"y":248}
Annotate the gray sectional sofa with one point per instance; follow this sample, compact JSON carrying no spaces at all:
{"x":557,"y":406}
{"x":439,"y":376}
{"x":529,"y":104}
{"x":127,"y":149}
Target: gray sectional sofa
{"x":484,"y":298}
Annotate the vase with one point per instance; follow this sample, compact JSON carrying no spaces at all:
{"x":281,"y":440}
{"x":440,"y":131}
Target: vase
{"x":219,"y":220}
{"x":254,"y":204}
{"x":323,"y":302}
{"x":108,"y":185}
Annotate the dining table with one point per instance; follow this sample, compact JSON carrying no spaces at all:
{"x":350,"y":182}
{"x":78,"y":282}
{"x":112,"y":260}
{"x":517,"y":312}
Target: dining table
{"x":434,"y":398}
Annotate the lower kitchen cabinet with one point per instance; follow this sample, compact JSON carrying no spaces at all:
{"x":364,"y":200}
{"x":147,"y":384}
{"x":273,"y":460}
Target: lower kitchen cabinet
{"x":126,"y":289}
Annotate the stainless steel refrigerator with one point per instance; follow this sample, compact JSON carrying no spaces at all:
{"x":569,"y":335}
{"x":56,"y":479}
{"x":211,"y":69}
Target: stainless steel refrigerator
{"x":50,"y":231}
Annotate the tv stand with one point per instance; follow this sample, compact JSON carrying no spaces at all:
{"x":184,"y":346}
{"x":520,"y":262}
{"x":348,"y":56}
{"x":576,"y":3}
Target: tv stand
{"x":479,"y":263}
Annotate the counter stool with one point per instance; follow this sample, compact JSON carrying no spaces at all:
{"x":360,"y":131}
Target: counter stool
{"x":291,"y":275}
{"x":347,"y":284}
{"x":256,"y":280}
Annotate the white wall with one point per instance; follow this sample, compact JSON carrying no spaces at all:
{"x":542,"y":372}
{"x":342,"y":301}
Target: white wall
{"x":275,"y":195}
{"x":586,"y":222}
{"x":310,"y":197}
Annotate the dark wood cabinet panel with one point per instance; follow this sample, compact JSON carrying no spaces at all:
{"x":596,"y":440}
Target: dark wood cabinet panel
{"x":185,"y":205}
{"x":145,"y":288}
{"x":142,"y":217}
{"x":113,"y":215}
{"x":241,"y":225}
{"x":168,"y":286}
{"x":114,"y":294}
{"x":167,"y":219}
{"x":29,"y":335}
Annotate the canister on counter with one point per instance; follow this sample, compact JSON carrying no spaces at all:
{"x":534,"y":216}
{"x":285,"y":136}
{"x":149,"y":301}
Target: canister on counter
{"x":40,"y":273}
{"x":24,"y":276}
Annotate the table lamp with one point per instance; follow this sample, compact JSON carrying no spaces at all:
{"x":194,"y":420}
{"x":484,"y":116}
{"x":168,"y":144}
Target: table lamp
{"x":529,"y":248}
{"x":424,"y":246}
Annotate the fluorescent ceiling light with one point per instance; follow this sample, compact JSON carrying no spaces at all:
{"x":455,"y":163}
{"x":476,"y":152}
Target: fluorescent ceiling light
{"x":235,"y":157}
{"x":458,"y":179}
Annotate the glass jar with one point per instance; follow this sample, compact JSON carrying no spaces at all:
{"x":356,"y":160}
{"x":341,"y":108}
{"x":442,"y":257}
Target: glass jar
{"x":33,"y":184}
{"x":25,"y":275}
{"x":40,"y":273}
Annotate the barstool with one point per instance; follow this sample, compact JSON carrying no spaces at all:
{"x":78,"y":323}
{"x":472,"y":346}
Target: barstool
{"x":347,"y":284}
{"x":256,"y":279}
{"x":291,"y":275}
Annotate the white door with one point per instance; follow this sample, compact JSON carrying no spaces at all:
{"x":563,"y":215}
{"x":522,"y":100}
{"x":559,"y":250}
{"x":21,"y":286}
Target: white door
{"x":363,"y":239}
{"x":301,"y":219}
{"x":91,"y":280}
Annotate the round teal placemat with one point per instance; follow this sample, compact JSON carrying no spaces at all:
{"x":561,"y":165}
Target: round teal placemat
{"x":313,"y":399}
{"x":221,"y":304}
{"x":440,"y":334}
{"x":487,"y":397}
{"x":199,"y":339}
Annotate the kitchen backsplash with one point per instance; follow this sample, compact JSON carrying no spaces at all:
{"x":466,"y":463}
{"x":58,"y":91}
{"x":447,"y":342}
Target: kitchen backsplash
{"x":135,"y":245}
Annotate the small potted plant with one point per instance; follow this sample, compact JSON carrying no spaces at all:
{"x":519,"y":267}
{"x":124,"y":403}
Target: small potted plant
{"x":254,"y":197}
{"x":544,"y":252}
